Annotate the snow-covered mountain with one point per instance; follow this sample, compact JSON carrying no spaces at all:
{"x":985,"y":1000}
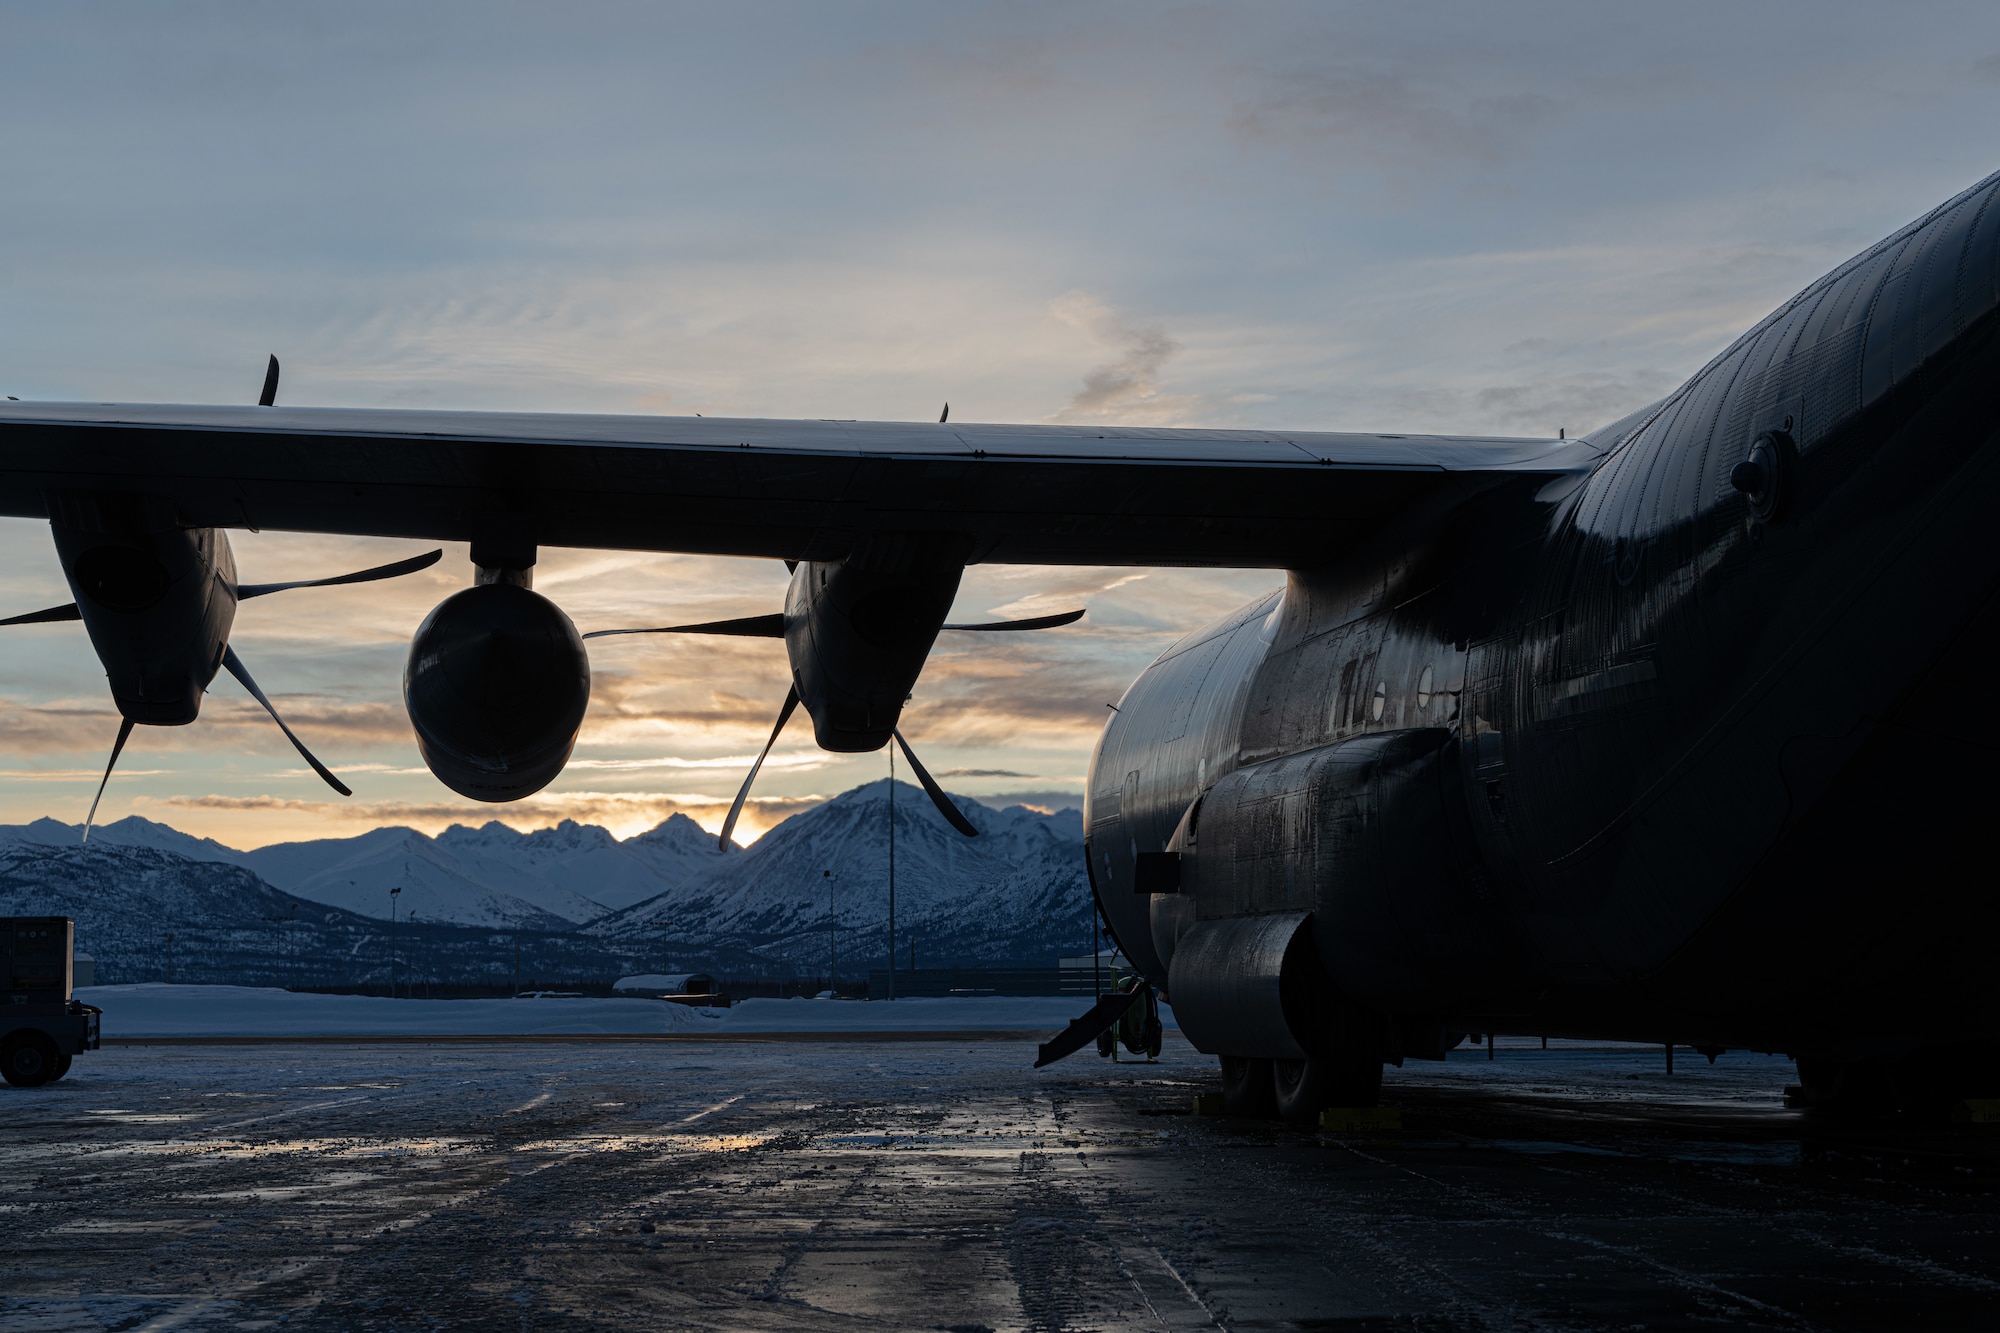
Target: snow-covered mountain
{"x":551,"y":879}
{"x":585,"y":861}
{"x":145,"y":914}
{"x":668,"y":896}
{"x":1018,"y":892}
{"x":131,"y":831}
{"x":437,"y":885}
{"x":138,"y":909}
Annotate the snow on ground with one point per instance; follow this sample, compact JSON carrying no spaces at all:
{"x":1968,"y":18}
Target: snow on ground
{"x":159,"y":1010}
{"x":155,"y":1009}
{"x":972,"y":1013}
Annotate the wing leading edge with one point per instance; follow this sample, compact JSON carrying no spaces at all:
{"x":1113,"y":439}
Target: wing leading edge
{"x":796,"y":490}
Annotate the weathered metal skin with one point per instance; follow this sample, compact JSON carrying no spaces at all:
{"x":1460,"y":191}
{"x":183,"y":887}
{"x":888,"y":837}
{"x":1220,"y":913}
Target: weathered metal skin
{"x":1635,"y":753}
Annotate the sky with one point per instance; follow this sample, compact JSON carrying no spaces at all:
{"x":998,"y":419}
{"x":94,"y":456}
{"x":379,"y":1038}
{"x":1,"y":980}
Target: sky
{"x":1492,"y":218}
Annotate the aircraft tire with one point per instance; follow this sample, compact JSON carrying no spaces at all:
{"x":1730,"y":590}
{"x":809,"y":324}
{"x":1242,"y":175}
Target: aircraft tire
{"x":1304,"y":1088}
{"x":1248,"y":1089}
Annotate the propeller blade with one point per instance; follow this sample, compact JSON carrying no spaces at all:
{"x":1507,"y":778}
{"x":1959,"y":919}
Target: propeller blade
{"x":1084,"y":1029}
{"x":1033,"y":622}
{"x":234,"y":665}
{"x":945,"y":415}
{"x":49,"y":616}
{"x":952,"y":814}
{"x":270,"y":394}
{"x":784,"y":716}
{"x":245,"y":591}
{"x":749,"y":627}
{"x":117,"y":748}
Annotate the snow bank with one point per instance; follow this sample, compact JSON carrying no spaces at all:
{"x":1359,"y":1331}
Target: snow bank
{"x":972,"y":1013}
{"x":159,"y":1010}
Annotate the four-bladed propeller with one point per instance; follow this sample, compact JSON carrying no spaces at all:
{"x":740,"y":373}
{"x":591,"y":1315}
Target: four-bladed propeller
{"x":773,"y":627}
{"x":234,"y":664}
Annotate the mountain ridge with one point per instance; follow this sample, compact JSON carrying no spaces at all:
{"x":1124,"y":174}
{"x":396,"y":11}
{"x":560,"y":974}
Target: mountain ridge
{"x":669,"y":893}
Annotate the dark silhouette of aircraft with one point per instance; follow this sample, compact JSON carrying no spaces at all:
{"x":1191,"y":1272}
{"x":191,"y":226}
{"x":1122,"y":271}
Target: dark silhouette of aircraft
{"x":1670,"y":732}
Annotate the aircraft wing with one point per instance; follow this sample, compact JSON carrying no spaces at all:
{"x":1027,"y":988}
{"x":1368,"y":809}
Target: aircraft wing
{"x":798,"y":490}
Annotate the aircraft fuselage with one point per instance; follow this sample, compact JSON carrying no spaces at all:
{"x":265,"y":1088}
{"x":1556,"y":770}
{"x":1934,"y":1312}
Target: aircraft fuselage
{"x":1635,"y":753}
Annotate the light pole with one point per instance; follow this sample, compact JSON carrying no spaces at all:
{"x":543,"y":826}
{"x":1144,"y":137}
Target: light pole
{"x":423,"y":956}
{"x":392,"y":940}
{"x":830,"y":988}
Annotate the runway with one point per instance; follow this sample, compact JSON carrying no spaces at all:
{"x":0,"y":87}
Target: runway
{"x":948,"y":1186}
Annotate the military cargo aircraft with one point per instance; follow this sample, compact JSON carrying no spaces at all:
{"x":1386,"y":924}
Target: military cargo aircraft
{"x":1666,"y":733}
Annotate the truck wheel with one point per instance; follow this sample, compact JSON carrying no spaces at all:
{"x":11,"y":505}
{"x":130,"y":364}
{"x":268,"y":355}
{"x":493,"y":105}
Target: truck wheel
{"x":63,"y":1060}
{"x":1246,"y":1087}
{"x":28,"y":1059}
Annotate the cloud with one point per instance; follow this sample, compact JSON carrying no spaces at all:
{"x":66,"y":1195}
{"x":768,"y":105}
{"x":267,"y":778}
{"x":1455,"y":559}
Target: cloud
{"x":79,"y":774}
{"x":624,"y":813}
{"x":982,"y":773}
{"x":1126,"y":387}
{"x":1394,"y":113}
{"x":1576,"y":403}
{"x":1045,"y":801}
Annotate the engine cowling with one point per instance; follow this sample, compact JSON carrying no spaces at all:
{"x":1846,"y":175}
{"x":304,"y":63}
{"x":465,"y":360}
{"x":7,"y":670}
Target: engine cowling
{"x":157,"y":599}
{"x":496,"y":688}
{"x":859,"y":629}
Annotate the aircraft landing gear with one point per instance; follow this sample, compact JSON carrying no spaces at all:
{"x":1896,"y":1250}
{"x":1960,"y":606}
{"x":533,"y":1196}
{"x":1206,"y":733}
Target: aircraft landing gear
{"x":1301,"y":1089}
{"x":1139,"y":1029}
{"x":1248,"y":1087}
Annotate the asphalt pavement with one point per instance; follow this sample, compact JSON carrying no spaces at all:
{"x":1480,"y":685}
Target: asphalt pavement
{"x":949,"y":1186}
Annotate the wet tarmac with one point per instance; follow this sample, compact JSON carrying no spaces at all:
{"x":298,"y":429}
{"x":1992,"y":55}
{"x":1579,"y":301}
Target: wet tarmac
{"x":937,"y":1186}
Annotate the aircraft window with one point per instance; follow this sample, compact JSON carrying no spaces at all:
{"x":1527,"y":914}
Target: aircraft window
{"x":1424,"y":690}
{"x":1379,"y":702}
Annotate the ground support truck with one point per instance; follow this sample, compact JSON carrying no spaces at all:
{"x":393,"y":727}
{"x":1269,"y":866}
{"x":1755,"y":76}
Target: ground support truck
{"x":42,"y":1025}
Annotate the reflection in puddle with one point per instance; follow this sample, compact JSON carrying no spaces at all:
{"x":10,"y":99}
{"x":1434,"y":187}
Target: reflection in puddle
{"x":334,"y":1148}
{"x":589,"y":1143}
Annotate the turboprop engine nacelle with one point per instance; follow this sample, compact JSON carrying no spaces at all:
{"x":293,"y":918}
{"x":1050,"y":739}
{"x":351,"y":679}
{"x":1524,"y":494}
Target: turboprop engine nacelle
{"x":158,"y":600}
{"x":858,"y":629}
{"x":496,"y":688}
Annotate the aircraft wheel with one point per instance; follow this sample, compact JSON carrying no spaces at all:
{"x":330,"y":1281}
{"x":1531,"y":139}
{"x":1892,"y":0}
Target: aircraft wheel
{"x":1154,"y":1035}
{"x":1105,"y":1041}
{"x":1304,"y":1088}
{"x":1247,"y":1087}
{"x":28,"y":1059}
